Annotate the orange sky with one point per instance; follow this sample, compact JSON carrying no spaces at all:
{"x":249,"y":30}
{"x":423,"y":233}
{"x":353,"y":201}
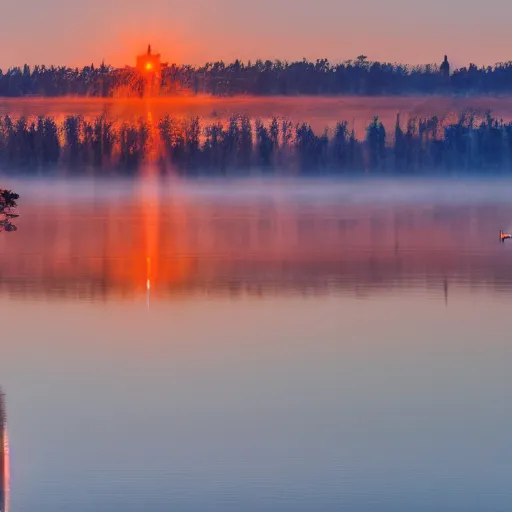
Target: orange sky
{"x":77,"y":33}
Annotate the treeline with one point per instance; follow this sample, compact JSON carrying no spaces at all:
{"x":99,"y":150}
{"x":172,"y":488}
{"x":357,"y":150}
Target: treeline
{"x":359,"y":77}
{"x":242,"y":145}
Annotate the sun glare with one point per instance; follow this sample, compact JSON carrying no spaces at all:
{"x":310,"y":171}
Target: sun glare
{"x":149,"y":65}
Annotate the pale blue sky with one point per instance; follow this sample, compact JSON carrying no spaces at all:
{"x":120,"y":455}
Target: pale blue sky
{"x":80,"y":32}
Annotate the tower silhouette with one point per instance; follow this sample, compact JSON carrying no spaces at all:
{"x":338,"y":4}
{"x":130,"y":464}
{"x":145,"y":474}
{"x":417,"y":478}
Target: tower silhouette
{"x":445,"y":67}
{"x":150,"y":67}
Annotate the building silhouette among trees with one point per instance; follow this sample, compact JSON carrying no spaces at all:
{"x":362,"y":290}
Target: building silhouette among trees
{"x":445,"y":68}
{"x":358,"y":76}
{"x":150,"y":67}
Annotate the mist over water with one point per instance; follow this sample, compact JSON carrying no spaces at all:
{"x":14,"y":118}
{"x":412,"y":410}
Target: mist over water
{"x":303,"y":344}
{"x":320,"y":112}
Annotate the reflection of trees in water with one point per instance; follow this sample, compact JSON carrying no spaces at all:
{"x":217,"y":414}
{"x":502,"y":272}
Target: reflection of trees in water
{"x":7,"y":206}
{"x":201,"y":247}
{"x":7,"y":225}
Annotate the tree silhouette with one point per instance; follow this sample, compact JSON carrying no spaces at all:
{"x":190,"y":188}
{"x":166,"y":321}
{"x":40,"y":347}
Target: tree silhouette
{"x":240,"y":144}
{"x":358,"y":76}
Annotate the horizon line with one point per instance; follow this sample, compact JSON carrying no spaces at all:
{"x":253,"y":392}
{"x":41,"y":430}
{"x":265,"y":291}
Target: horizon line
{"x":252,"y":62}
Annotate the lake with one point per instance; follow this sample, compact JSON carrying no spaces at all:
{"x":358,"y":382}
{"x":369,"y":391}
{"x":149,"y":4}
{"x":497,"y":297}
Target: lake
{"x":285,"y":345}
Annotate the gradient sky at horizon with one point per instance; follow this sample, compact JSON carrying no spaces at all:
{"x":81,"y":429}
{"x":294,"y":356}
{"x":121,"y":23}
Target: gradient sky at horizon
{"x":78,"y":33}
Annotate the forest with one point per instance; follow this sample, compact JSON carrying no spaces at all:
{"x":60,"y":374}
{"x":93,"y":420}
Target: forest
{"x":241,"y":145}
{"x":261,"y":78}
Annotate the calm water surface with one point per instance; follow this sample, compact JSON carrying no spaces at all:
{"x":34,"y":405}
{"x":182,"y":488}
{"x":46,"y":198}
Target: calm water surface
{"x":285,"y":346}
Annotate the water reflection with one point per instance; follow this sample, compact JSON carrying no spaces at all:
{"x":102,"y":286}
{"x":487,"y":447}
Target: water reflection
{"x":8,"y":206}
{"x":155,"y":240}
{"x":6,"y":224}
{"x":4,"y":459}
{"x":327,"y":403}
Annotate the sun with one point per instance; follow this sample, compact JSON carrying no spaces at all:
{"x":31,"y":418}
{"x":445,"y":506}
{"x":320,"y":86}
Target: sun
{"x":149,"y":66}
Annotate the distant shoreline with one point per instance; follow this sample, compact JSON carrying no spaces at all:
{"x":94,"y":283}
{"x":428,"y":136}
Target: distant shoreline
{"x":190,"y":145}
{"x":358,"y":76}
